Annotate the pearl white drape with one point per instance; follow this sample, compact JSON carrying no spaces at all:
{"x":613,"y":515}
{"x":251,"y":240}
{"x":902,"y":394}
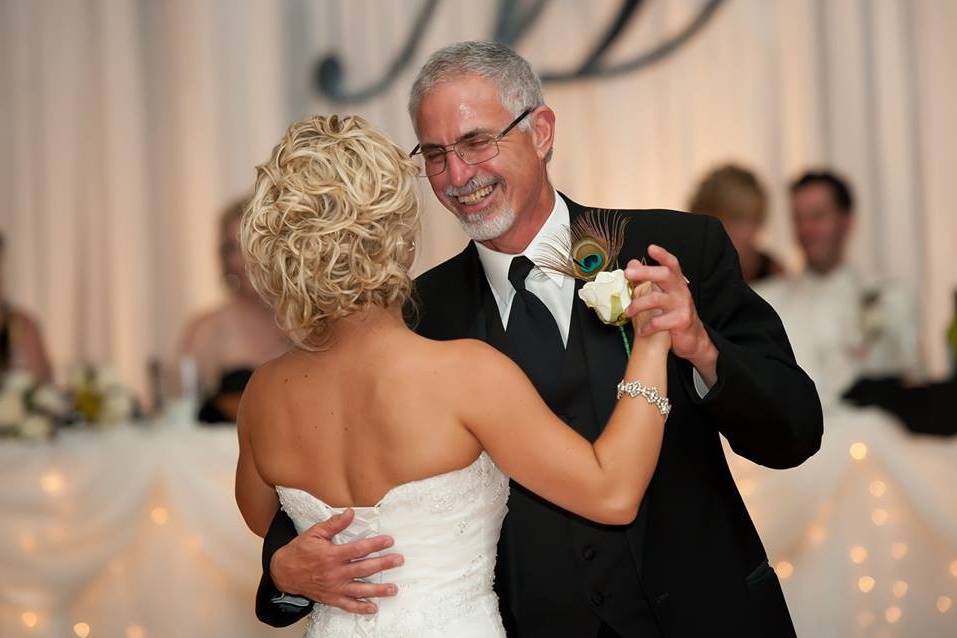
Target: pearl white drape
{"x":127,"y":124}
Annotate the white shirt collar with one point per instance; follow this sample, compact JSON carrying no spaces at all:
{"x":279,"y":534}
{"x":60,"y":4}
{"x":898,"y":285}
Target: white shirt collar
{"x":496,"y":264}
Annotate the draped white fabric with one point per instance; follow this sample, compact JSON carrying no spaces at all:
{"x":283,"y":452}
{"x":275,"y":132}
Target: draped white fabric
{"x":126,"y":125}
{"x":864,"y":534}
{"x":134,"y":532}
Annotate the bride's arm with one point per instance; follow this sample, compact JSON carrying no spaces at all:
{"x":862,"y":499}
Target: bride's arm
{"x":604,"y":481}
{"x":257,"y":500}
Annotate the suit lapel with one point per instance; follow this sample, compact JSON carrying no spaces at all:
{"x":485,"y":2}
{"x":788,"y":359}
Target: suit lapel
{"x":604,"y":349}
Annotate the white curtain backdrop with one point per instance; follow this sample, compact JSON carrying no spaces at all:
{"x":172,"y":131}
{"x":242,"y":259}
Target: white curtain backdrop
{"x":125,"y":126}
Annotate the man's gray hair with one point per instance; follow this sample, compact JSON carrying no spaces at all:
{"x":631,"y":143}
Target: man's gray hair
{"x":518,"y":86}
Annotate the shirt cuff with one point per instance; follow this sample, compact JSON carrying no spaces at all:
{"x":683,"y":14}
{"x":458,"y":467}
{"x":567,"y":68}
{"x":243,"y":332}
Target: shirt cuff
{"x":700,"y":386}
{"x":288,"y":599}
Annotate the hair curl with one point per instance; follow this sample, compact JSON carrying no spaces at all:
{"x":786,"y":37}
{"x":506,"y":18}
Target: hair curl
{"x":331,"y":224}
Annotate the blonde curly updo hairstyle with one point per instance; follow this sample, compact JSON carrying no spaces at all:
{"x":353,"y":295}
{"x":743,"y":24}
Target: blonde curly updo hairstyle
{"x":330,"y":227}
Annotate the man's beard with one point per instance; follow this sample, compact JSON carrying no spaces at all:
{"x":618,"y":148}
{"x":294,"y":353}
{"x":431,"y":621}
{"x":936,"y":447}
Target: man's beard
{"x":488,"y":225}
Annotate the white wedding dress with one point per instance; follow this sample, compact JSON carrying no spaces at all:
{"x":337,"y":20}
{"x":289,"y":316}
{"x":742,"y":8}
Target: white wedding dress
{"x":447,"y":528}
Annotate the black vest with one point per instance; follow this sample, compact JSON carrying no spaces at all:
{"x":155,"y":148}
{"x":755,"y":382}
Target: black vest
{"x":559,"y":574}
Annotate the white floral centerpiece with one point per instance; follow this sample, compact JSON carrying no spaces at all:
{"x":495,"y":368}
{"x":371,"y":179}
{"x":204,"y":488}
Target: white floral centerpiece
{"x":29,"y":410}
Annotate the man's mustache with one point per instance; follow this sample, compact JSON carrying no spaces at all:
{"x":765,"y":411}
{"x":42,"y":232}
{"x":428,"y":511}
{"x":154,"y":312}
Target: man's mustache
{"x":473,"y":184}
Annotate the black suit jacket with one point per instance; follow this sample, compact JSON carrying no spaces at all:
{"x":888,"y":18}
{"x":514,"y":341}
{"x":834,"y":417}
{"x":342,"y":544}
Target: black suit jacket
{"x":700,"y":560}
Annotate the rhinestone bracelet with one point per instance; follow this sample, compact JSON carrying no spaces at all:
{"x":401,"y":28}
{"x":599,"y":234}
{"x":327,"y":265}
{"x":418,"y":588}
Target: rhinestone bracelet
{"x":635,"y":389}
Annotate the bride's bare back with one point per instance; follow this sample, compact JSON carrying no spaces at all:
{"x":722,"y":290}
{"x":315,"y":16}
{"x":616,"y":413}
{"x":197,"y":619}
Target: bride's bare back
{"x":381,"y":407}
{"x":351,"y":422}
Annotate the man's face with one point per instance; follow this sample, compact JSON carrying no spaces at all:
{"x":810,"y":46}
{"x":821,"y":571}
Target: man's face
{"x":821,"y":227}
{"x":487,"y":198}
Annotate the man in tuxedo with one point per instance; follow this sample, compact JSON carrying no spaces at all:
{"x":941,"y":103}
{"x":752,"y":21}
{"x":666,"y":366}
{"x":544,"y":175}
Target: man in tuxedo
{"x":691,"y":563}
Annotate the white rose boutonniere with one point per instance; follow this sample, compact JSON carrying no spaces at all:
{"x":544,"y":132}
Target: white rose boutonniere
{"x":609,"y":294}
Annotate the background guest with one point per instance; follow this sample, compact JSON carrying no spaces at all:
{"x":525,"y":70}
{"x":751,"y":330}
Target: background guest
{"x":21,"y":342}
{"x":735,"y":196}
{"x":844,"y":324}
{"x":228,"y":342}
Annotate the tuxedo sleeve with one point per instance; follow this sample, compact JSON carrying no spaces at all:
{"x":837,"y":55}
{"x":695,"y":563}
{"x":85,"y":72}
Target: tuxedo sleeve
{"x":763,"y":402}
{"x":272,"y":606}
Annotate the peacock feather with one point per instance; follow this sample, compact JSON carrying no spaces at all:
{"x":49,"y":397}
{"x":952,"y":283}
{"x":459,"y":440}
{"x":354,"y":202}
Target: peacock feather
{"x":590,"y":246}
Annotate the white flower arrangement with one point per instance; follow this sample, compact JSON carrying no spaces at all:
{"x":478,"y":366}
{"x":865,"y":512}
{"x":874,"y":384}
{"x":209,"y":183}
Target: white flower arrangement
{"x":29,"y":410}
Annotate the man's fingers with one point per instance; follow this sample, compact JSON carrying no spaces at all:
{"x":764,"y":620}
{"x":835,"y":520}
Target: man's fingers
{"x":637,"y":273}
{"x":358,"y":549}
{"x":351,"y":605}
{"x":369,"y":590}
{"x":370,"y":566}
{"x":328,"y":528}
{"x":664,"y":258}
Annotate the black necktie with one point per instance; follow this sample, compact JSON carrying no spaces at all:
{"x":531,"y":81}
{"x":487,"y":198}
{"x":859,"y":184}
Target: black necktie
{"x":534,"y":340}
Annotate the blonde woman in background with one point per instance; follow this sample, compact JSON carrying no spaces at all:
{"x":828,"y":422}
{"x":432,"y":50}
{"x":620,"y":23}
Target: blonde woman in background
{"x":416,"y":435}
{"x":735,"y":196}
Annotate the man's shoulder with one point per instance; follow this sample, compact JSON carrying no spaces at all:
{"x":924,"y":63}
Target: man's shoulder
{"x":452,"y":269}
{"x":444,"y":296}
{"x":685,"y":235}
{"x":656,"y":219}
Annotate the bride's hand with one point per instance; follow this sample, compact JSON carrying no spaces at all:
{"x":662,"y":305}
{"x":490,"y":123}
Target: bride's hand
{"x":661,"y":338}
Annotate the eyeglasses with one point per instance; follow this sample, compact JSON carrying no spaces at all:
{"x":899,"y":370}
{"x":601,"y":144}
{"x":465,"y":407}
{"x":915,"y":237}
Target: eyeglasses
{"x":472,"y":149}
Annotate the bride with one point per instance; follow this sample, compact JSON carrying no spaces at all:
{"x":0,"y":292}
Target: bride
{"x":416,"y":436}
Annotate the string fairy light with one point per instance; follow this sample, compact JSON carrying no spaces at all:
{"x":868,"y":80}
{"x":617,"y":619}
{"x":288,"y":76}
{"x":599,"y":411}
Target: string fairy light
{"x":52,"y":482}
{"x":784,"y":569}
{"x":879,"y":516}
{"x":816,"y":533}
{"x":943,"y":604}
{"x":159,"y":515}
{"x":893,"y":614}
{"x":899,"y":589}
{"x":30,"y":618}
{"x":858,"y":554}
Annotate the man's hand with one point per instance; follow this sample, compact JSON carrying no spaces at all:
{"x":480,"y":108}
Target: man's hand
{"x":678,"y":315}
{"x":311,"y":565}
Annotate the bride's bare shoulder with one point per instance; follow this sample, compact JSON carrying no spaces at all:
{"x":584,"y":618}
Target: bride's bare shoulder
{"x":267,"y":377}
{"x":470,"y":359}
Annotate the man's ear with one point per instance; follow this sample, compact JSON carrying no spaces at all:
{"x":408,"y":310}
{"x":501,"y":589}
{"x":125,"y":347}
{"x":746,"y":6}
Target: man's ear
{"x":543,"y":130}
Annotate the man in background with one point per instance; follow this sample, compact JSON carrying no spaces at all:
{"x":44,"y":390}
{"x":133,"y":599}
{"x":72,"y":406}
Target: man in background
{"x":844,"y":324}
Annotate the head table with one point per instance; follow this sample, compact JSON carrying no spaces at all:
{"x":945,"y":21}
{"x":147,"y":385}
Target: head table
{"x":132,"y":532}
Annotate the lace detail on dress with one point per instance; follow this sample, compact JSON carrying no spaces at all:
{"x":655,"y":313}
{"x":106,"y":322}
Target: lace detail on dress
{"x":447,"y":528}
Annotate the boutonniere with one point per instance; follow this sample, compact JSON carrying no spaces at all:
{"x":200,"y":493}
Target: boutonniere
{"x":588,"y":251}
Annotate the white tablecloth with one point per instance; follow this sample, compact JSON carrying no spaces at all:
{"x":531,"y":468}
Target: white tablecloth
{"x":863,"y":534}
{"x":133,"y":533}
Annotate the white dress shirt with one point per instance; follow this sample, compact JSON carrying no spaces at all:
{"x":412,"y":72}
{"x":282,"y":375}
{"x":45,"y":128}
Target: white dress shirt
{"x":836,"y":336}
{"x":555,"y":290}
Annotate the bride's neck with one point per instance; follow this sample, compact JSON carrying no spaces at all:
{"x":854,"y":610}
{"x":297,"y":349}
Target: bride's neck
{"x":366,"y":324}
